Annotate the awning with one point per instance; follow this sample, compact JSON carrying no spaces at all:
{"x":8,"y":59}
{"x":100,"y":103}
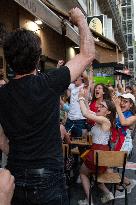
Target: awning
{"x":115,"y":66}
{"x":71,"y":33}
{"x":41,"y":11}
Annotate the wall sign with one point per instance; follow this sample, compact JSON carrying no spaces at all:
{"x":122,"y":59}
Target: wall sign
{"x":96,"y":23}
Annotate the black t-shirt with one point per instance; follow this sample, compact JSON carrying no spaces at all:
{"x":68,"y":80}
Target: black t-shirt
{"x":29,"y":115}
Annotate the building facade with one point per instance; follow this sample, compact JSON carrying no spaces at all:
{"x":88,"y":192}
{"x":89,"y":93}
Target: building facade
{"x":127,"y":7}
{"x":59,"y":37}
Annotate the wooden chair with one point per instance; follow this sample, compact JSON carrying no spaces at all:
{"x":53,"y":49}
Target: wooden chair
{"x":111,"y":159}
{"x":65,"y":148}
{"x":75,"y":151}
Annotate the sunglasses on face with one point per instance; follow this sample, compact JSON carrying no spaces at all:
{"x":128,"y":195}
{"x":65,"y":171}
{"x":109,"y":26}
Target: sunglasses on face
{"x":124,"y":101}
{"x":103,"y":106}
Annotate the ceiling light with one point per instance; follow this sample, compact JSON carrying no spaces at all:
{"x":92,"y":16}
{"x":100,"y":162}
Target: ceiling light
{"x":38,"y":22}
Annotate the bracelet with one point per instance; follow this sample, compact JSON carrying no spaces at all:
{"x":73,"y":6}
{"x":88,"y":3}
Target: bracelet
{"x":81,"y":98}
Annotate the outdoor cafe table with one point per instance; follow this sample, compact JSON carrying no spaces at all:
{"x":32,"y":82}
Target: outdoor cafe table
{"x":80,"y":144}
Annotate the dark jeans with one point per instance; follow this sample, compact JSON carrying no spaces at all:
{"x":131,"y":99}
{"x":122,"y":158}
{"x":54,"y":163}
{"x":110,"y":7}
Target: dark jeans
{"x":77,"y":127}
{"x":46,"y":188}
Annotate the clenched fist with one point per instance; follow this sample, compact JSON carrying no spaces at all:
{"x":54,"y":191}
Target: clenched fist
{"x":76,"y":16}
{"x":6,"y":187}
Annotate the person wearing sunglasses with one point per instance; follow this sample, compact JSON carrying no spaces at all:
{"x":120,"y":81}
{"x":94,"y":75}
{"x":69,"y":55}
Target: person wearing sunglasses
{"x":104,"y":119}
{"x":126,"y":119}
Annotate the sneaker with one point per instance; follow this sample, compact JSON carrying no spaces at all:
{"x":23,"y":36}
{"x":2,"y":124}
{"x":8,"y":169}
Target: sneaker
{"x":131,"y":186}
{"x":119,"y":195}
{"x":107,"y":197}
{"x":84,"y":202}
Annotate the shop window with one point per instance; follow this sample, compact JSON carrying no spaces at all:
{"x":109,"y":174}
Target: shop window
{"x":129,"y":15}
{"x":85,"y":2}
{"x":129,"y":26}
{"x":130,"y":54}
{"x":123,"y":2}
{"x":131,"y":65}
{"x":135,"y":51}
{"x":128,"y":2}
{"x":125,"y":38}
{"x":124,"y":27}
{"x":129,"y":39}
{"x":124,"y":13}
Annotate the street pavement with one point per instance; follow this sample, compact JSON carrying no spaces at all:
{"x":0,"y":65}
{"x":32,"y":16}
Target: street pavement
{"x":77,"y":193}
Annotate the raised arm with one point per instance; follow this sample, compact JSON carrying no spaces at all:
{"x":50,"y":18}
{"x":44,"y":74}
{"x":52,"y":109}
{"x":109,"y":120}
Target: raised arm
{"x":7,"y":186}
{"x":91,"y":81}
{"x":124,"y":121}
{"x":4,"y":146}
{"x":122,"y":89}
{"x":92,"y":115}
{"x":87,"y":49}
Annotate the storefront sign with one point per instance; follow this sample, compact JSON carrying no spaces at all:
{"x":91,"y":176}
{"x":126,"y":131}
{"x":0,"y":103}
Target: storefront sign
{"x":96,"y":23}
{"x":41,"y":11}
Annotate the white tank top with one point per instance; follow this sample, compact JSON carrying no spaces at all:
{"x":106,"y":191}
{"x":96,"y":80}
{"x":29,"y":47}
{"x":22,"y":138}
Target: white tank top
{"x":99,"y":136}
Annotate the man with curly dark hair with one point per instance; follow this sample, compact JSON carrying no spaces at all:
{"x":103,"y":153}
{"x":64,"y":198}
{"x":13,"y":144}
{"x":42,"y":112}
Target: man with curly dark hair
{"x":29,"y":115}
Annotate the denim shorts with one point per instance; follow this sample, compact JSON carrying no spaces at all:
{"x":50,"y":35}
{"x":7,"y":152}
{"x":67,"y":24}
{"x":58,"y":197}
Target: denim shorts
{"x":77,"y":127}
{"x":46,"y":188}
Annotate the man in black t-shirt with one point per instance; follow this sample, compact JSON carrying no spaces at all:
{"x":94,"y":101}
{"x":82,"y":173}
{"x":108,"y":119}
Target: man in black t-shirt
{"x":29,"y":115}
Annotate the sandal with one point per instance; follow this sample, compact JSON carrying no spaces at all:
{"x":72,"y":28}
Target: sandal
{"x":120,"y":188}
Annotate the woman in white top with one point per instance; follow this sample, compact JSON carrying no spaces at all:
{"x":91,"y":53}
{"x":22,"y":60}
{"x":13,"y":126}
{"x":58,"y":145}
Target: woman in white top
{"x":104,"y":118}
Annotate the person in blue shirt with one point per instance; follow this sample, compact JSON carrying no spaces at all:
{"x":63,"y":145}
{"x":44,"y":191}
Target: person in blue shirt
{"x":125,"y":120}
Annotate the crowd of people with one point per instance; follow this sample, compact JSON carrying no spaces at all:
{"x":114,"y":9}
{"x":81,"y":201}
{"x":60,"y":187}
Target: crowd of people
{"x":109,"y":115}
{"x":36,"y":117}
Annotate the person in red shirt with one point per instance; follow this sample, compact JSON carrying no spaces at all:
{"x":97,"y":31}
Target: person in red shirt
{"x":101,"y":92}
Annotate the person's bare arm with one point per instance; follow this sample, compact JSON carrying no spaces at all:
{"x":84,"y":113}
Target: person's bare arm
{"x":124,"y":121}
{"x":105,"y":123}
{"x":4,"y":146}
{"x":60,"y":63}
{"x":6,"y":187}
{"x":68,"y":92}
{"x":92,"y":116}
{"x":121,"y":88}
{"x":91,"y":81}
{"x":87,"y":48}
{"x":61,"y":102}
{"x":65,"y":134}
